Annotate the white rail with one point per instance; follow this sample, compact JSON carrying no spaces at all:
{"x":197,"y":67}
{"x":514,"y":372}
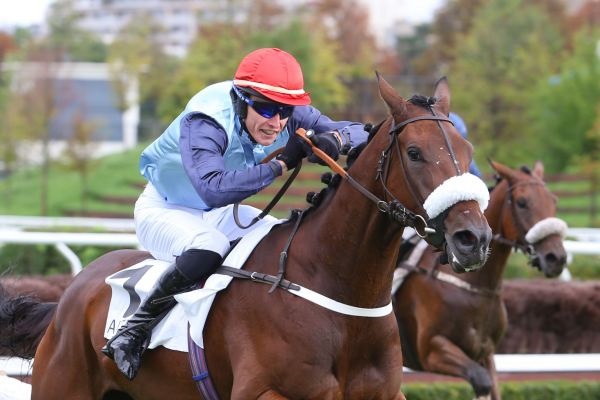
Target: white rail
{"x":109,"y":224}
{"x":13,"y":230}
{"x":119,"y":232}
{"x":509,"y":363}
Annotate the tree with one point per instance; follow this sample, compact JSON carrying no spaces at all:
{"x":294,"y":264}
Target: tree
{"x":29,"y":109}
{"x":79,"y":152}
{"x":453,"y":23}
{"x":65,"y":37}
{"x":565,"y":106}
{"x":324,"y":75}
{"x":511,"y":45}
{"x":220,"y":46}
{"x":211,"y":58}
{"x":137,"y":56}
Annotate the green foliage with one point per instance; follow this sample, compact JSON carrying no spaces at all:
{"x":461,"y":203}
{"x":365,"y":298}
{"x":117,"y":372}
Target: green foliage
{"x":214,"y":57}
{"x":113,"y":175}
{"x":323,"y":74}
{"x":44,"y":259}
{"x":565,"y":105}
{"x":447,"y":391}
{"x":211,"y":59}
{"x":539,"y":390}
{"x":511,"y":44}
{"x":65,"y":37}
{"x":137,"y":54}
{"x":31,"y":260}
{"x":582,"y":267}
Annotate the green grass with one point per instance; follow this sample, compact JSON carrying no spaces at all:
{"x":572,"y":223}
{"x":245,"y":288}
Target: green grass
{"x":115,"y":175}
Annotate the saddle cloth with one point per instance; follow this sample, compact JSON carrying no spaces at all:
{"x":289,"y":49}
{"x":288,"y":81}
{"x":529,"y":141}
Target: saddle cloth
{"x":131,"y":286}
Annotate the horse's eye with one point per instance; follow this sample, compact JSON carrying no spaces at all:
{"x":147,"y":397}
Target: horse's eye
{"x":521,"y":203}
{"x":414,"y":154}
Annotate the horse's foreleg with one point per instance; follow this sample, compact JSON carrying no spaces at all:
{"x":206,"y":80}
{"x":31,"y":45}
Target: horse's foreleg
{"x":491,"y":366}
{"x":400,"y":396}
{"x":445,"y":357}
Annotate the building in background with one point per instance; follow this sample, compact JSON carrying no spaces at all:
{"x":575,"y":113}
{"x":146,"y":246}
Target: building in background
{"x":179,"y":19}
{"x":80,"y":93}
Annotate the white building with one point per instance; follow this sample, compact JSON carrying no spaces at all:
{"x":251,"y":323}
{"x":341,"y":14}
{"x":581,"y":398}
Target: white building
{"x":80,"y":92}
{"x":179,"y":19}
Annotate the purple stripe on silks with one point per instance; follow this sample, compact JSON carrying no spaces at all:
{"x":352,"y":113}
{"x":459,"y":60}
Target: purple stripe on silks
{"x":199,"y":368}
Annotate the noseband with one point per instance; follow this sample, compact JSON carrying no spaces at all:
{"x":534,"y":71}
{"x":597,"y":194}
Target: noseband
{"x":520,"y":243}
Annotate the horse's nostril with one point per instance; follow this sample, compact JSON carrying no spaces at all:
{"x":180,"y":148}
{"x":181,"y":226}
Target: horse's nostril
{"x":466,"y":240}
{"x":551,"y":258}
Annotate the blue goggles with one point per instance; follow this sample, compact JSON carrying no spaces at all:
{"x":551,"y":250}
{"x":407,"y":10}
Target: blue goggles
{"x":266,"y":109}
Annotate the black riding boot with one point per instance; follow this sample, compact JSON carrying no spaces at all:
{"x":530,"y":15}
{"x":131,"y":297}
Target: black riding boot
{"x":132,"y":339}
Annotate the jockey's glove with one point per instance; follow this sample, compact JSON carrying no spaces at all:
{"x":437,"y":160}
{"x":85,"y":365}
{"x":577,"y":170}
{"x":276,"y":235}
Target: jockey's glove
{"x":331,"y":142}
{"x":294,"y":151}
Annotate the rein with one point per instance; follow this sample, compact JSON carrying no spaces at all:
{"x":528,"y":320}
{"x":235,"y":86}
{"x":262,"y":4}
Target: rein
{"x":273,"y":201}
{"x":394,"y":209}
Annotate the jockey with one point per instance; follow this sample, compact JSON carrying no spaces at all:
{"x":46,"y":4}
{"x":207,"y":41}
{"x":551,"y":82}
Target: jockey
{"x":208,"y":159}
{"x":461,"y":127}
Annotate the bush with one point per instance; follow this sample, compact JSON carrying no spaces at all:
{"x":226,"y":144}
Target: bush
{"x":42,"y":259}
{"x":538,"y":390}
{"x":583,"y":267}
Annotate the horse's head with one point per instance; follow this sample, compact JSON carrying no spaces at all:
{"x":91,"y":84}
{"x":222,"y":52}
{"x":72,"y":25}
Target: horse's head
{"x":529,"y":220}
{"x":423,"y":160}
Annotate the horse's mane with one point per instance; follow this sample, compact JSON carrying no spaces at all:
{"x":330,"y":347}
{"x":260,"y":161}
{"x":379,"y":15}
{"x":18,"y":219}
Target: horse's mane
{"x":423,"y":101}
{"x":332,"y":181}
{"x":525,"y":168}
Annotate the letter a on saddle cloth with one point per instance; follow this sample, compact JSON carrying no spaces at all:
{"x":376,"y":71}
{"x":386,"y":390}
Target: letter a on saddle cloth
{"x":131,"y":286}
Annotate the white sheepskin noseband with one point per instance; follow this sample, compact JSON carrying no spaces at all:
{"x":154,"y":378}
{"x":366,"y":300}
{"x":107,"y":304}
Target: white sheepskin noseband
{"x":546,"y":227}
{"x":453,"y":190}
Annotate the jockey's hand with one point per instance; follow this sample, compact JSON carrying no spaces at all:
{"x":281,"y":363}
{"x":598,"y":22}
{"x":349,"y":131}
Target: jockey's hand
{"x":330,"y":142}
{"x":294,"y":151}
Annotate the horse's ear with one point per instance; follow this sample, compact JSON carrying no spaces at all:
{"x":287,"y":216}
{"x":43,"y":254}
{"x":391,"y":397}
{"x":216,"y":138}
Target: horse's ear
{"x":504,"y":171}
{"x":442,"y":94}
{"x":394,"y":102}
{"x":538,"y":169}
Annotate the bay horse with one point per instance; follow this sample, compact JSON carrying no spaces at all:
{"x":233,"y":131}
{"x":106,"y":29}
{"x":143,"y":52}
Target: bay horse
{"x":270,"y":345}
{"x":45,"y":288}
{"x":451,"y":324}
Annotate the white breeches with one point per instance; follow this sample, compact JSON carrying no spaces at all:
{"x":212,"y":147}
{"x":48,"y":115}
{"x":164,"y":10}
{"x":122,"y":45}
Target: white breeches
{"x":167,"y":230}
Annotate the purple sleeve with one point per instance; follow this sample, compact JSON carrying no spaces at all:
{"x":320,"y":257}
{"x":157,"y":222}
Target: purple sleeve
{"x":202,"y":144}
{"x":308,"y":117}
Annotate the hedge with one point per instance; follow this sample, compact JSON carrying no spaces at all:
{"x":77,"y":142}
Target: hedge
{"x":530,"y":390}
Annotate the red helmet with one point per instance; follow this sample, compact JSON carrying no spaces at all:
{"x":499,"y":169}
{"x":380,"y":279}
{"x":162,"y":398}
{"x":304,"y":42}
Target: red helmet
{"x":274,"y":74}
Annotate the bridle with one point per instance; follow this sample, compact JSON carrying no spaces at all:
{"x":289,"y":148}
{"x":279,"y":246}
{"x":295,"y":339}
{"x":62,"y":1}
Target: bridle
{"x":519,"y":243}
{"x":393,"y":208}
{"x":428,"y":229}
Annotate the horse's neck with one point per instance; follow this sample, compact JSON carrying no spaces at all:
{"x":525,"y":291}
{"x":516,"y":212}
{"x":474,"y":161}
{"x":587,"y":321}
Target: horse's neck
{"x":490,"y":275}
{"x":355,"y":244}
